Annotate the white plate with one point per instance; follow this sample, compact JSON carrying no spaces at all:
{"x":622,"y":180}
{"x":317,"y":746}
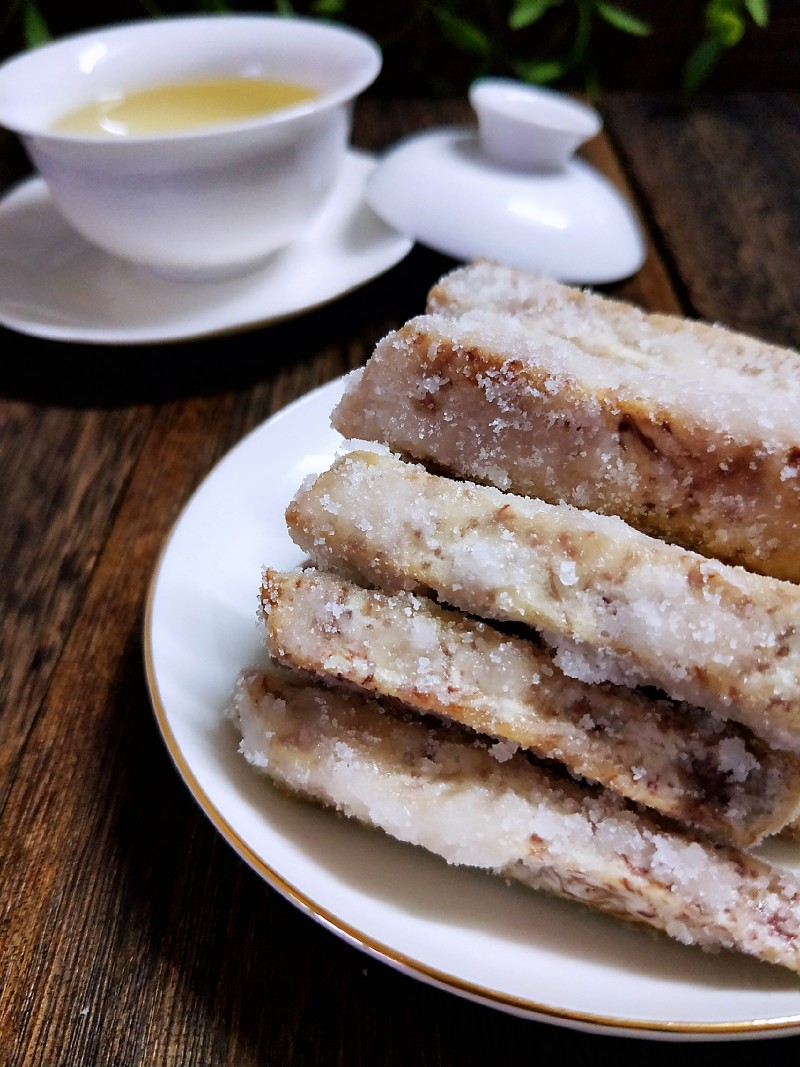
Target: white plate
{"x":53,"y":284}
{"x":461,"y":930}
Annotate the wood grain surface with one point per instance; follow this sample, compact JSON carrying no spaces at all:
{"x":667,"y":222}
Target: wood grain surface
{"x":130,"y":933}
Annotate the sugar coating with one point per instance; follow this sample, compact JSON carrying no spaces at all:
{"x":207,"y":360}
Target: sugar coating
{"x":633,"y":610}
{"x":617,"y":329}
{"x":685,"y":430}
{"x":446,"y":792}
{"x":676,"y":759}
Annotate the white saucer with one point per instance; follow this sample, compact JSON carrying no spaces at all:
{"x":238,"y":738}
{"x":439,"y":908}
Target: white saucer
{"x":55,"y":285}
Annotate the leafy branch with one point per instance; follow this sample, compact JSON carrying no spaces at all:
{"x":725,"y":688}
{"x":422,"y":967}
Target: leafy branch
{"x":442,"y":45}
{"x":725,"y":24}
{"x":573,"y":47}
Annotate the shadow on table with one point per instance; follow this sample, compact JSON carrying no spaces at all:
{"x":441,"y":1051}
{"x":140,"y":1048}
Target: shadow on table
{"x":52,"y":372}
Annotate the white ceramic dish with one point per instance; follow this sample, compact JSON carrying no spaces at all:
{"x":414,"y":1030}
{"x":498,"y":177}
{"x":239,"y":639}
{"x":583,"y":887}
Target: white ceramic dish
{"x":458,"y":929}
{"x":573,"y":224}
{"x":529,"y":127}
{"x":55,"y":285}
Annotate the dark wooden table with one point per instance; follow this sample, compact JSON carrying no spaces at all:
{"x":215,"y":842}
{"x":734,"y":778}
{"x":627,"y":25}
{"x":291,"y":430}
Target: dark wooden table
{"x":130,"y":932}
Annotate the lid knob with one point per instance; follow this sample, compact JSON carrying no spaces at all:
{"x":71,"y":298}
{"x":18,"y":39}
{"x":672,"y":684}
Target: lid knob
{"x":529,"y":128}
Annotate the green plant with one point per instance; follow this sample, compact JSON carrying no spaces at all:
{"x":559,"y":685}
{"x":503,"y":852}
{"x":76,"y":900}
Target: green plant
{"x":439,"y":46}
{"x":725,"y":24}
{"x":572,"y":47}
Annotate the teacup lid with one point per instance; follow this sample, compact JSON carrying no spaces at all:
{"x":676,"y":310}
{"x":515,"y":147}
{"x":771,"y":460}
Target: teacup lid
{"x":512,"y":190}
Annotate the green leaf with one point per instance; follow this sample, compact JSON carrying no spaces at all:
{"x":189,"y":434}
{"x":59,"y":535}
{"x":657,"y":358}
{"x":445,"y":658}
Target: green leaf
{"x":526,"y":12}
{"x":328,"y":7}
{"x":34,"y":27}
{"x":699,"y":64}
{"x":715,"y":7}
{"x":542,"y":71}
{"x":730,"y":30}
{"x":465,"y":35}
{"x":583,"y":34}
{"x":623,"y":20}
{"x":724,"y":22}
{"x":758,"y":11}
{"x":284,"y":7}
{"x":591,"y":82}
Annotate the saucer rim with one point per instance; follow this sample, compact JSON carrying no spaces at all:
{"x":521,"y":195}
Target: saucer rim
{"x":359,"y":165}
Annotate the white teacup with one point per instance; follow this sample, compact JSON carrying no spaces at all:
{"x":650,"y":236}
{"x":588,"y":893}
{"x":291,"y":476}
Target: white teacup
{"x":209,"y":201}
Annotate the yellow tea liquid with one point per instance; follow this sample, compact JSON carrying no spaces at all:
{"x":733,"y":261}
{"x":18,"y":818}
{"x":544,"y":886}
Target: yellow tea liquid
{"x":182,"y":106}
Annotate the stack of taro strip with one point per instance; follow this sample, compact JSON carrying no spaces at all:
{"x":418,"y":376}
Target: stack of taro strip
{"x":550,"y":622}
